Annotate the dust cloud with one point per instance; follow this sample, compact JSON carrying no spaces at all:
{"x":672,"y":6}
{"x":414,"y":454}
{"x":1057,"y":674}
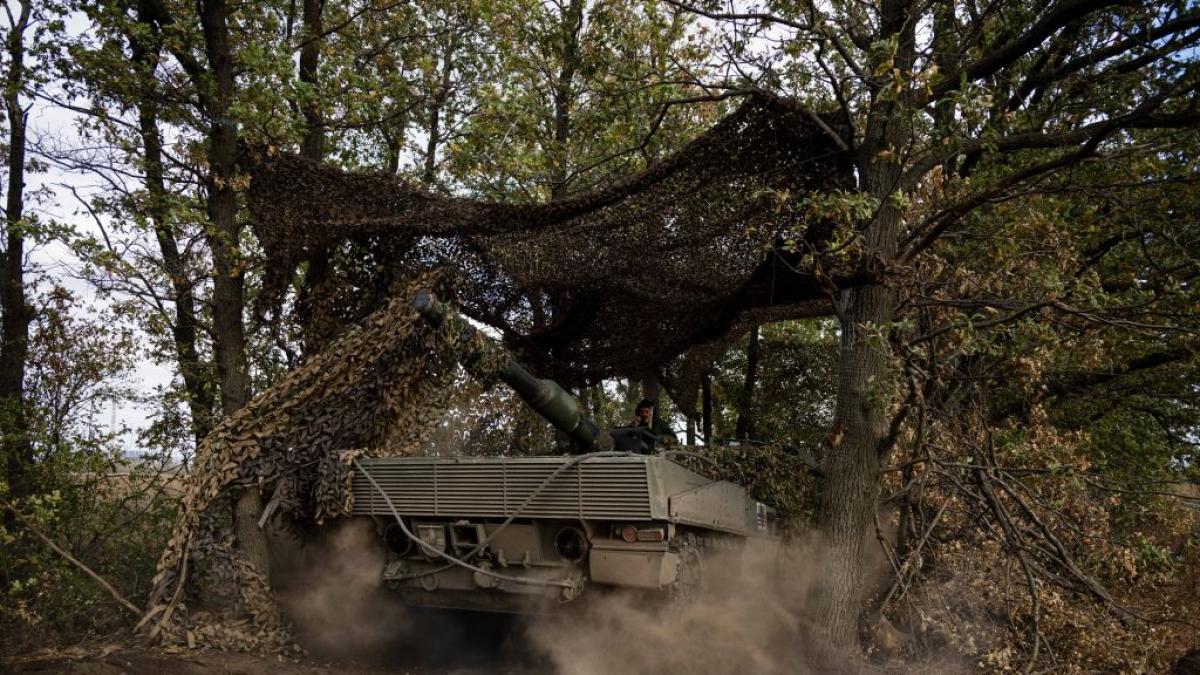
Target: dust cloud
{"x":332,"y":592}
{"x":748,"y":618}
{"x":331,"y":589}
{"x":752,"y":616}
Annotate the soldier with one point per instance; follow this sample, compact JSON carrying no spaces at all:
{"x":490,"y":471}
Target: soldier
{"x":643,"y":416}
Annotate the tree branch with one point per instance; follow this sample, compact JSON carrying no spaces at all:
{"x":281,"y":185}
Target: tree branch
{"x":1000,"y":56}
{"x":74,"y":561}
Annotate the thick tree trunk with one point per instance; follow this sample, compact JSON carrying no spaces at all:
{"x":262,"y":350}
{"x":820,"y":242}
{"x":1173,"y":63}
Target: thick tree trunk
{"x":745,"y":419}
{"x":191,"y":369}
{"x":866,"y":380}
{"x":849,"y":490}
{"x":14,"y":332}
{"x":851,"y":467}
{"x":228,"y":282}
{"x":706,"y":407}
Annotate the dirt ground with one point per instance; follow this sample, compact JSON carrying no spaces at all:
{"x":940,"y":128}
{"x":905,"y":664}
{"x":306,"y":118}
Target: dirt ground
{"x":443,"y":643}
{"x":141,"y":661}
{"x":118,"y":660}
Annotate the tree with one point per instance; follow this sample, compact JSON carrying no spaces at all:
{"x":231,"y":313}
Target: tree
{"x":76,"y":365}
{"x":169,"y":283}
{"x":582,"y":93}
{"x":951,"y":109}
{"x":214,"y":83}
{"x":14,"y":335}
{"x":745,"y":418}
{"x":792,"y":397}
{"x":34,"y":32}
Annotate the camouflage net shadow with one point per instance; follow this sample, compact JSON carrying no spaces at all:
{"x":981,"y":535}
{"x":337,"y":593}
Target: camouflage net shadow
{"x":367,"y":394}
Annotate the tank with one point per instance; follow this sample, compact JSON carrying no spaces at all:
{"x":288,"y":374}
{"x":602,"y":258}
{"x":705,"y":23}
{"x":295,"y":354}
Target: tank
{"x":538,"y":534}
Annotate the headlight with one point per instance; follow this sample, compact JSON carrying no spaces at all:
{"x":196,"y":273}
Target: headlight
{"x":570,"y":544}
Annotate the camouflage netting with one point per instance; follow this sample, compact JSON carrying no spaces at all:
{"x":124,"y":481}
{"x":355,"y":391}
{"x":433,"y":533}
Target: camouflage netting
{"x":369,"y":393}
{"x":619,"y":281}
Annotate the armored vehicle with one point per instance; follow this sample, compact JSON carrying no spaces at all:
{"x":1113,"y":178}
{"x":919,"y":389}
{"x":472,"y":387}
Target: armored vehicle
{"x":535,"y":534}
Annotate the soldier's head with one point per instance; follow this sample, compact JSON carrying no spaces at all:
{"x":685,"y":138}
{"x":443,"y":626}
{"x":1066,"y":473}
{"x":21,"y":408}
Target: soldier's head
{"x":644,"y":412}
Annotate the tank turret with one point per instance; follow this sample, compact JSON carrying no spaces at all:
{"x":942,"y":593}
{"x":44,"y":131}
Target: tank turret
{"x":484,"y":358}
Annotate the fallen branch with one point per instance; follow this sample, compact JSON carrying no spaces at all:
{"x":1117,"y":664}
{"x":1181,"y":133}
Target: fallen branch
{"x":75,"y":561}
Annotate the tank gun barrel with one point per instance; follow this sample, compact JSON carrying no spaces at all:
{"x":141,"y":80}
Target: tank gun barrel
{"x":546,"y":397}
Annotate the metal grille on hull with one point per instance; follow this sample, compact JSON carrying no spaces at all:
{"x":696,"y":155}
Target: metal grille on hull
{"x":602,"y":490}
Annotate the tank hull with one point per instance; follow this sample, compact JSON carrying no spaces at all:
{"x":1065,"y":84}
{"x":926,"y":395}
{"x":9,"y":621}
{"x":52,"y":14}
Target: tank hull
{"x":542,"y":532}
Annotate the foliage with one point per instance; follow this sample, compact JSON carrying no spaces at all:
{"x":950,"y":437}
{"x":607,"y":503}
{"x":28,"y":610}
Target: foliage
{"x":607,"y":71}
{"x":792,"y":403}
{"x":109,"y":510}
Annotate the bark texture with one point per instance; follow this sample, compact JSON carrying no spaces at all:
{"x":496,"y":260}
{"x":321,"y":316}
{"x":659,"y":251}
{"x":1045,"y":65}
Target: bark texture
{"x":14,"y":333}
{"x":229,"y":338}
{"x":857,"y":443}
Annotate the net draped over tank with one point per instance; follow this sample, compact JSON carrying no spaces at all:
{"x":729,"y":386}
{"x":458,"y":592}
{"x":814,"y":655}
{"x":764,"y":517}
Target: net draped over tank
{"x":623,"y":280}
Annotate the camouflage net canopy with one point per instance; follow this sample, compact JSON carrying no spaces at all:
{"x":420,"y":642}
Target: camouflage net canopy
{"x":371,"y":392}
{"x":619,"y":281}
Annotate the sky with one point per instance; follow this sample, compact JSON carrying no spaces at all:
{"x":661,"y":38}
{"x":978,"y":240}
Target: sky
{"x":50,"y":124}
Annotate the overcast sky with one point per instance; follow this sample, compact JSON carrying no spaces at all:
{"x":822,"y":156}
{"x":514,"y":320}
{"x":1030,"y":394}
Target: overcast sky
{"x":52,"y":125}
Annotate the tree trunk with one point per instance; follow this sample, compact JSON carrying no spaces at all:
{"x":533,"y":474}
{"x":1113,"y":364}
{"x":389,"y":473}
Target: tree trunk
{"x":652,"y":389}
{"x":851,"y":467}
{"x":866,"y":380}
{"x":393,"y":140}
{"x":228,"y":282}
{"x":14,"y":332}
{"x":183,"y":331}
{"x":435,"y":112}
{"x":706,"y":407}
{"x":564,"y":96}
{"x":745,"y":419}
{"x":856,"y":445}
{"x":315,"y":292}
{"x":313,"y":146}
